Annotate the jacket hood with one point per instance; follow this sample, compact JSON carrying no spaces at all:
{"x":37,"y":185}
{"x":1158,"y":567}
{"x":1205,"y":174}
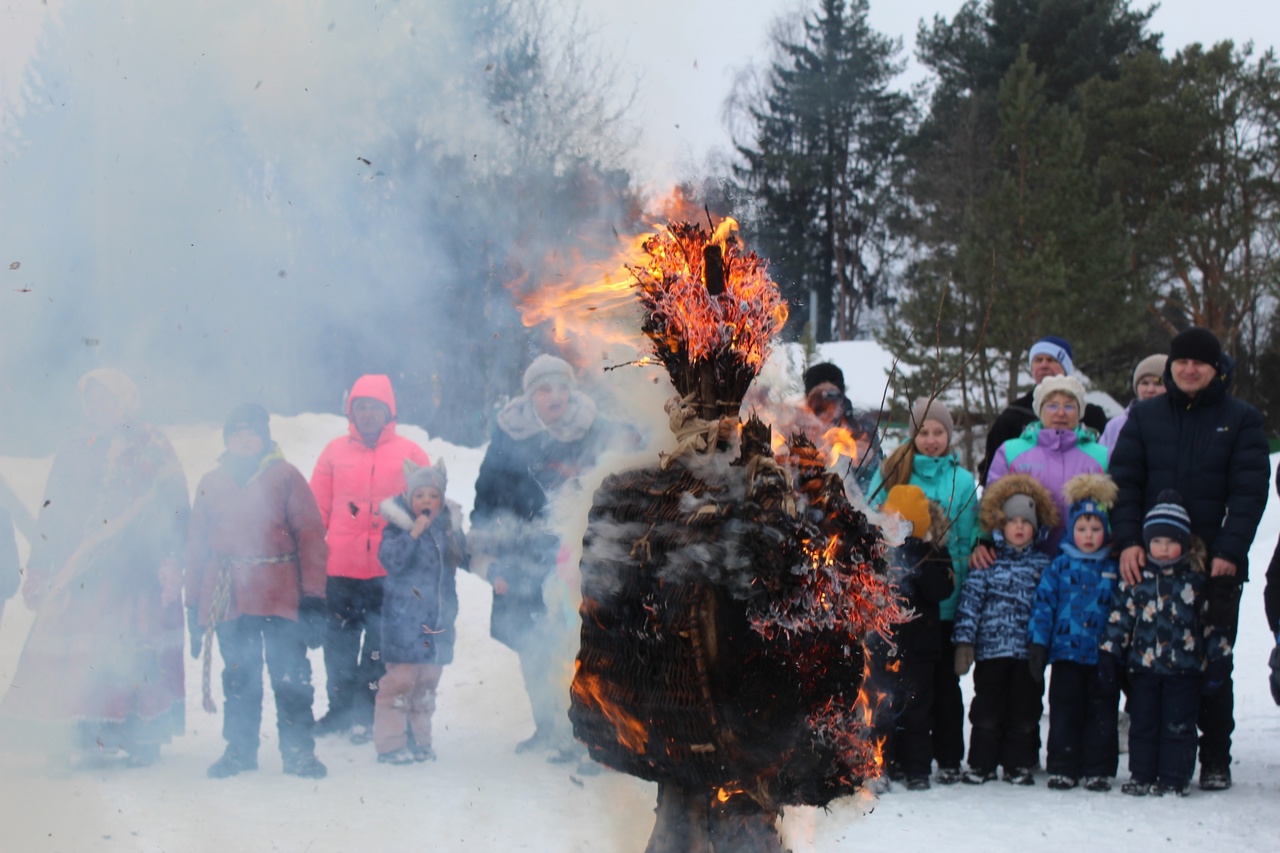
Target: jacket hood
{"x":376,"y":386}
{"x":991,"y":513}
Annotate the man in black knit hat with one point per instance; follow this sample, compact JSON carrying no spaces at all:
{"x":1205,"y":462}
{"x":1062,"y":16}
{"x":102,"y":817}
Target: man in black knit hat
{"x":1211,"y":448}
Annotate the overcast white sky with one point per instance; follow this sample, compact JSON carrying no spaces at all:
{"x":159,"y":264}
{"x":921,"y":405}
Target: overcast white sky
{"x":685,"y":53}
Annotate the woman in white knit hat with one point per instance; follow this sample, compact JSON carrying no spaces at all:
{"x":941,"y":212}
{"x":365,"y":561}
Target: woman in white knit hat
{"x":1053,"y":450}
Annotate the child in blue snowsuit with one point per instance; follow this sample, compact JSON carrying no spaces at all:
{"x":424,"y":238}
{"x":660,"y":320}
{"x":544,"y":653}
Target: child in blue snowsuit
{"x":991,"y":628}
{"x":1072,"y":604}
{"x":1157,"y":630}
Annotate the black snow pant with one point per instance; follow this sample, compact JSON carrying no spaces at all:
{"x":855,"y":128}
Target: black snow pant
{"x":1162,"y":727}
{"x":353,"y":668}
{"x":243,"y":642}
{"x":1083,"y":740}
{"x":948,"y":706}
{"x":912,"y":703}
{"x":1216,"y":719}
{"x":1005,"y":715}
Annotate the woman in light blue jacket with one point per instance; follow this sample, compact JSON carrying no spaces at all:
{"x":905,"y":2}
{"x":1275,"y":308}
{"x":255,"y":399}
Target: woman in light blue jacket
{"x":928,"y":461}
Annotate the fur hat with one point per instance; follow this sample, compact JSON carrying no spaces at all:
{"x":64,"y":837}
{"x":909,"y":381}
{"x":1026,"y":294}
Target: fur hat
{"x":249,"y":416}
{"x":1152,"y":365}
{"x":1058,"y":384}
{"x":1057,"y":348}
{"x":1197,"y":344}
{"x":1167,"y":518}
{"x":910,"y":502}
{"x":415,"y":477}
{"x":824,"y":372}
{"x":992,"y":514}
{"x":925,"y":409}
{"x":1090,"y":494}
{"x":548,"y":368}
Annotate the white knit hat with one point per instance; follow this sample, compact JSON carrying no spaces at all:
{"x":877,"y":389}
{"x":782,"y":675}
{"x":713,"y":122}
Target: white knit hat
{"x":1051,"y":385}
{"x":546,"y":367}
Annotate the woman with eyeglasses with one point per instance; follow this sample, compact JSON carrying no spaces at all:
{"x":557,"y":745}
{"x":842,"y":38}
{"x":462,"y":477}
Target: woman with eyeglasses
{"x":1053,"y":450}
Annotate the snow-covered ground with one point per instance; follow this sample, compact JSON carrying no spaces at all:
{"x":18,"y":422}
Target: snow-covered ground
{"x":480,"y":796}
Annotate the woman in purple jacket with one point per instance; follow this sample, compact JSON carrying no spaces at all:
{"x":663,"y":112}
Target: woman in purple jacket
{"x":1053,"y":450}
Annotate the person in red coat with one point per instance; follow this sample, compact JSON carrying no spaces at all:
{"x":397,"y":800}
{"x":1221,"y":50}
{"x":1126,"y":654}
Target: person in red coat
{"x":256,"y":575}
{"x":353,"y":476}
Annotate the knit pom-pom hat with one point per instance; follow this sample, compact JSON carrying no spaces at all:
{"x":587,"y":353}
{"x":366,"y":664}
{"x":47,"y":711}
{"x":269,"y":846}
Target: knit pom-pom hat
{"x":1167,"y":518}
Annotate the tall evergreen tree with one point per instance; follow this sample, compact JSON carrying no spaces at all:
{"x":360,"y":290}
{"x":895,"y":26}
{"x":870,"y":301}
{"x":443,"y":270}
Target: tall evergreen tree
{"x":823,"y":166}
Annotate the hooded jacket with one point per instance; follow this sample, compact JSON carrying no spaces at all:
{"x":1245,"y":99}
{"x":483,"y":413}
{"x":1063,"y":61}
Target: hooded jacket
{"x":1159,"y":625}
{"x":1053,"y":457}
{"x":1211,"y":449}
{"x":1014,"y":420}
{"x":953,"y":488}
{"x":1072,"y":604}
{"x":268,"y":534}
{"x":351,"y":479}
{"x":420,"y":594}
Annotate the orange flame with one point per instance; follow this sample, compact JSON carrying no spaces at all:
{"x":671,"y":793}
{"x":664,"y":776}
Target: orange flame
{"x":840,"y":443}
{"x":587,"y":689}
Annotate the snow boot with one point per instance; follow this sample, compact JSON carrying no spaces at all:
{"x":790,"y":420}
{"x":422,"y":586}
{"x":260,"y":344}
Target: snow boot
{"x":1214,"y":778}
{"x":540,"y":740}
{"x":1019,"y":776}
{"x":305,"y":765}
{"x":361,"y":734}
{"x":403,"y":755}
{"x":233,"y":761}
{"x":1098,"y":784}
{"x":422,"y":753}
{"x":1134,"y":788}
{"x":948,"y":775}
{"x":977,"y":777}
{"x":1058,"y":782}
{"x":917,"y":783}
{"x":331,"y":724}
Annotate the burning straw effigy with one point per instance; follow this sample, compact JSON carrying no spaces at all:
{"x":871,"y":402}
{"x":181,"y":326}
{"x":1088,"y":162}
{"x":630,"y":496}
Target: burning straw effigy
{"x":726,"y":591}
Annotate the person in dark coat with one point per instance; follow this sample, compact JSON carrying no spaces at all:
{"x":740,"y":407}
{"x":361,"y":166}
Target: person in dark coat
{"x":545,"y":439}
{"x":255,"y":576}
{"x":1271,"y":601}
{"x":922,"y":566}
{"x":825,"y":398}
{"x":1160,"y":631}
{"x":1049,"y":356}
{"x":1211,"y":448}
{"x":422,"y":549}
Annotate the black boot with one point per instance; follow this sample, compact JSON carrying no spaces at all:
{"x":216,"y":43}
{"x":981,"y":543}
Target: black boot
{"x":233,"y":761}
{"x":306,"y":765}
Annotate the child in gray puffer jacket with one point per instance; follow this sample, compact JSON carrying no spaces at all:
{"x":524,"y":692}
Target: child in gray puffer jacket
{"x":991,"y":628}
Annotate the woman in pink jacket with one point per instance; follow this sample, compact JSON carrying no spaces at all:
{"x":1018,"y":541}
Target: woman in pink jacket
{"x":353,"y":475}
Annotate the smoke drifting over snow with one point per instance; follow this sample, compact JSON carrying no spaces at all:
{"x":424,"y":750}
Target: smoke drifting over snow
{"x":248,"y":200}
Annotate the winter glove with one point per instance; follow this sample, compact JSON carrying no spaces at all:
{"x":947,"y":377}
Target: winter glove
{"x":1037,"y":660}
{"x":964,"y":657}
{"x":1108,"y":672}
{"x":195,"y":631}
{"x":1215,"y":675}
{"x":311,"y":618}
{"x":1275,"y":672}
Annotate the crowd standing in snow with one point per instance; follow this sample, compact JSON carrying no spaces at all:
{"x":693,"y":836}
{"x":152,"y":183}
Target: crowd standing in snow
{"x":1114,"y":562}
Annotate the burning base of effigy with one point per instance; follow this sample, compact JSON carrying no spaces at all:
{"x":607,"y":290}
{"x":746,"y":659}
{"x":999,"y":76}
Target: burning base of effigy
{"x":727,"y":592}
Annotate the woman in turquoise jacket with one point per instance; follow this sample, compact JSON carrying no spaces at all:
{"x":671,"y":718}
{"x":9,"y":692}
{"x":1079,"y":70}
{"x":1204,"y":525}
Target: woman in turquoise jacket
{"x":928,"y":461}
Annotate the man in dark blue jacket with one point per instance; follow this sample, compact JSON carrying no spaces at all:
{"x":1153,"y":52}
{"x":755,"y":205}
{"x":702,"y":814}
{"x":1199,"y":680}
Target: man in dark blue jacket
{"x":1211,"y":448}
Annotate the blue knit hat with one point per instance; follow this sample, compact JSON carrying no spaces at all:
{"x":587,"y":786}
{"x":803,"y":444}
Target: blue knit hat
{"x":1055,"y":347}
{"x":1167,"y":518}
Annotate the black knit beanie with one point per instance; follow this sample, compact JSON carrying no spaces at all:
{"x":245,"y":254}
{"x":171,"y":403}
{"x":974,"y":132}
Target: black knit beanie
{"x":1167,"y":518}
{"x":249,"y":416}
{"x":1197,"y":344}
{"x":825,"y":372}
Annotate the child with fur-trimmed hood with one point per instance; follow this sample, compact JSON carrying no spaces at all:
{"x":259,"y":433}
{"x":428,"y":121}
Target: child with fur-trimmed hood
{"x":922,"y":568}
{"x":422,"y":549}
{"x":1071,"y":608}
{"x":991,"y":628}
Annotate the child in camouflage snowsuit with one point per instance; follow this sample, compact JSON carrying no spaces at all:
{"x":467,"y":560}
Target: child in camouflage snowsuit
{"x":1158,"y":632}
{"x":991,"y":628}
